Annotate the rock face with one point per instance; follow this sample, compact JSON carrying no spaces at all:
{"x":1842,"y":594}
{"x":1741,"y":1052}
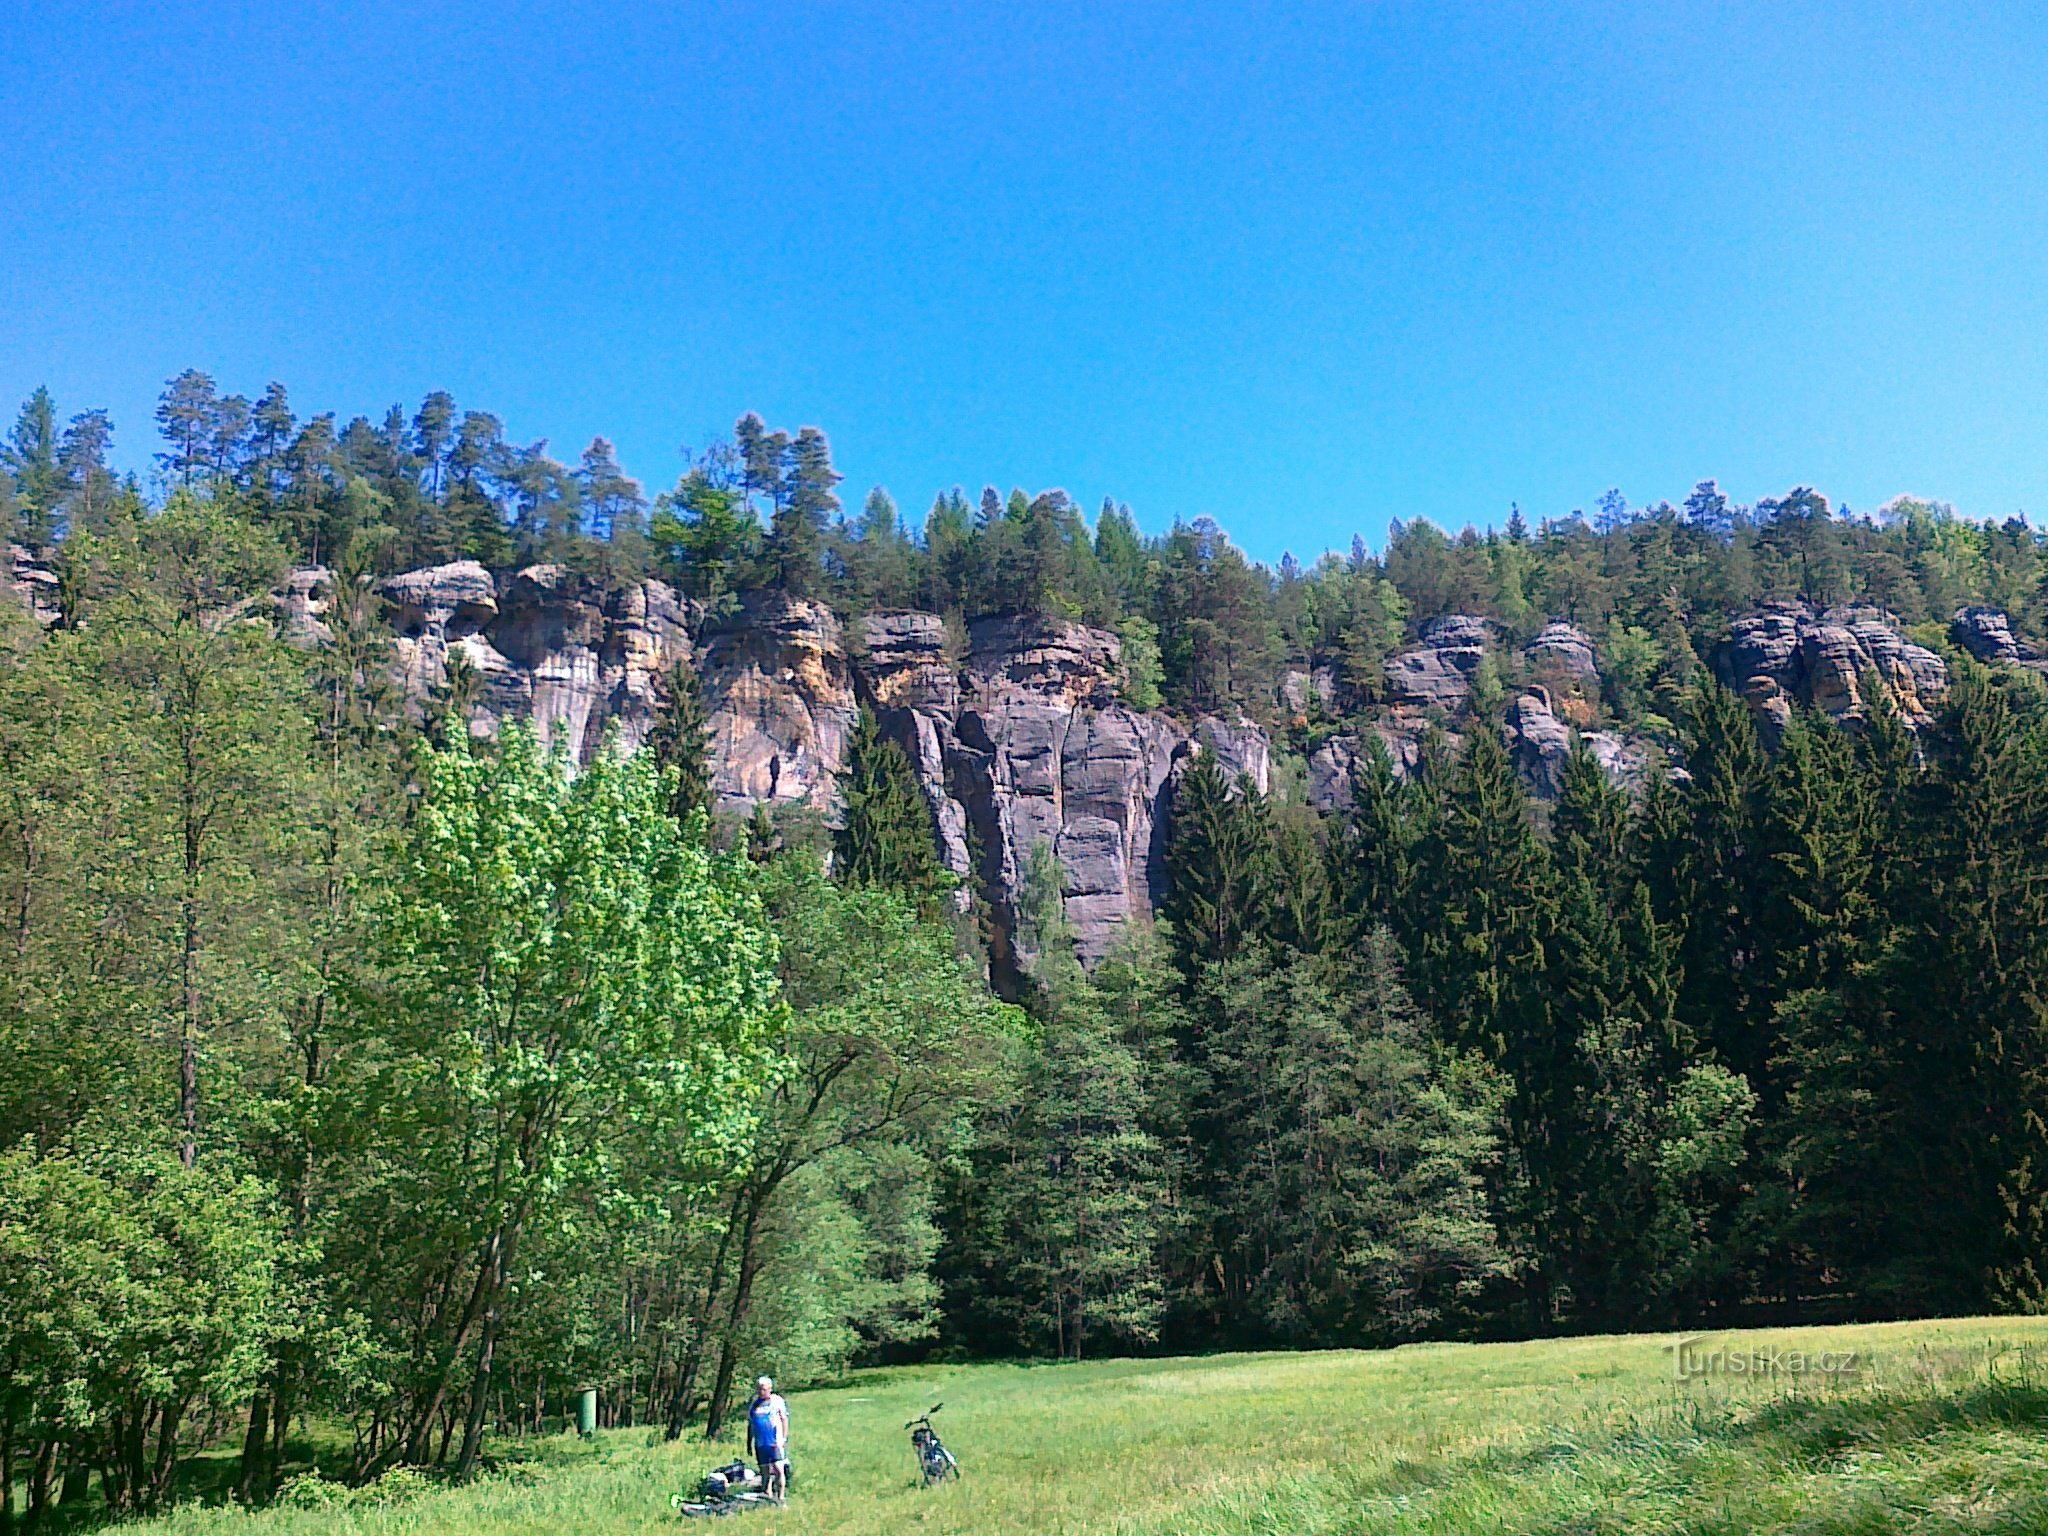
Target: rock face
{"x":779,"y":691}
{"x":1437,"y":671}
{"x":1017,"y":730}
{"x":562,"y":650}
{"x":1986,"y":634}
{"x":1566,"y":651}
{"x":1332,"y":765}
{"x":32,"y":584}
{"x":914,"y":690}
{"x":1042,"y":752}
{"x":1019,"y":738}
{"x":1305,"y":691}
{"x":1790,"y":655}
{"x":1541,"y":743}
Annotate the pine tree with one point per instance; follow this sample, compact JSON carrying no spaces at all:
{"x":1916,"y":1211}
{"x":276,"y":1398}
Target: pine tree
{"x":433,"y":435}
{"x":613,"y":498}
{"x":90,"y":491}
{"x":188,"y":412}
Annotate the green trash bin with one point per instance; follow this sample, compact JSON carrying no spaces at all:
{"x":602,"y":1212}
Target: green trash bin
{"x":586,"y":1412}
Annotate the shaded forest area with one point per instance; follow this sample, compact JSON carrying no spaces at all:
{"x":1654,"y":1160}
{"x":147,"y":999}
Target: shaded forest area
{"x":356,"y":1073}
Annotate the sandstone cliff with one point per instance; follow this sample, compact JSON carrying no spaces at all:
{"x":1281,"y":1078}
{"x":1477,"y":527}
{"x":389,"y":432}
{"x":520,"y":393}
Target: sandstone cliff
{"x":1790,"y":654}
{"x":1017,"y":730}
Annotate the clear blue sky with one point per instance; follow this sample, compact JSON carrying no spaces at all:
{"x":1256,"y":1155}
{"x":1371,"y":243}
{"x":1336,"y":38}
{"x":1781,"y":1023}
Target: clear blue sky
{"x":1301,"y":267}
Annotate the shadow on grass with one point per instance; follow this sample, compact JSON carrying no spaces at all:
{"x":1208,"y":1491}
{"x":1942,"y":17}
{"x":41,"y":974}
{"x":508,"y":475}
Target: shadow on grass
{"x":1901,"y":1456}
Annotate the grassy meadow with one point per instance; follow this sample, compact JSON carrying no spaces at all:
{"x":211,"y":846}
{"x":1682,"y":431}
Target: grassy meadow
{"x":1941,"y":1427}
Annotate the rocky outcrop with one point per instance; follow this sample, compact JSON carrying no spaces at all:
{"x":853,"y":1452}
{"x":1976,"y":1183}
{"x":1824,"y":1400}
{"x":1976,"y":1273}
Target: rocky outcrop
{"x":573,"y":655}
{"x":1564,"y":651}
{"x":914,"y":689}
{"x":302,"y":606}
{"x":32,"y":584}
{"x":1017,"y":730}
{"x":1436,"y":673}
{"x":1044,"y":753}
{"x":779,"y":690}
{"x":1241,"y":747}
{"x":1789,"y":655}
{"x":1308,"y":691}
{"x":1332,"y":765}
{"x":1541,"y":743}
{"x":1986,"y":634}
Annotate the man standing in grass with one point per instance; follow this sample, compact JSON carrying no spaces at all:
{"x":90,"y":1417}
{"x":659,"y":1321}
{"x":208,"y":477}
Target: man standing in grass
{"x":768,"y":1438}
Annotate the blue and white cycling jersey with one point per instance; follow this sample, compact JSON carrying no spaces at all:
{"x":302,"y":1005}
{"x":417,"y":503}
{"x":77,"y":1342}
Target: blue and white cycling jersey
{"x":767,"y":1421}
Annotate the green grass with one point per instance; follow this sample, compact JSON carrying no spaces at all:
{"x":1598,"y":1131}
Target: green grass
{"x":1944,"y":1428}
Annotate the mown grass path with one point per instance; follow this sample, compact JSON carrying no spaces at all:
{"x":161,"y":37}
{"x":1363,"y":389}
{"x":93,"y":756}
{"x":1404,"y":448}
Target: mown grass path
{"x":1943,"y":1427}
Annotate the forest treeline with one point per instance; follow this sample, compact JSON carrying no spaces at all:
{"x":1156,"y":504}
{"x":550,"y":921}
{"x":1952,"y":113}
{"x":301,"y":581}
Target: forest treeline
{"x":357,"y":1074}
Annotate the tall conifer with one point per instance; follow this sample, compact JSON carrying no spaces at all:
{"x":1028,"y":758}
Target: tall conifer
{"x":680,"y":739}
{"x":888,"y":838}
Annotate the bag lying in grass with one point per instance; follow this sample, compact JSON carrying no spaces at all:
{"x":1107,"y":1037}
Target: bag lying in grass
{"x":737,"y":1477}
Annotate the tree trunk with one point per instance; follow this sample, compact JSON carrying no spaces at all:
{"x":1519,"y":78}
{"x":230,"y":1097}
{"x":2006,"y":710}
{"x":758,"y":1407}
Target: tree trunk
{"x":77,"y":1480}
{"x":700,"y":1326}
{"x":479,"y":1396}
{"x":280,"y":1425}
{"x":135,"y":1475}
{"x":736,"y":1314}
{"x":166,"y":1465}
{"x":256,"y":1450}
{"x":188,"y":1039}
{"x":39,"y":1483}
{"x":417,"y":1439}
{"x":6,"y":1474}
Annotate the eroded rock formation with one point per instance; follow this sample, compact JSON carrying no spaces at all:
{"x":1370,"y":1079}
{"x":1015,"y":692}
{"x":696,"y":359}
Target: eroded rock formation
{"x":1437,"y":671}
{"x":1017,"y":729}
{"x":566,"y":651}
{"x":778,"y":688}
{"x":1987,"y":635}
{"x":32,"y":584}
{"x":1789,"y":655}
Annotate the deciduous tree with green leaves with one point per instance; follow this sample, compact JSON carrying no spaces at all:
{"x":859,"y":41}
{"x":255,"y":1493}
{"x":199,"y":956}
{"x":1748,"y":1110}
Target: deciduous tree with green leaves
{"x":556,"y":967}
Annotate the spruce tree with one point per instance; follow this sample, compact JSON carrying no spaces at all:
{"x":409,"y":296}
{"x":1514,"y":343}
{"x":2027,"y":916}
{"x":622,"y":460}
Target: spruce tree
{"x":680,"y":740}
{"x":1345,"y":1161}
{"x":888,"y":838}
{"x":763,"y":840}
{"x":1218,"y":863}
{"x":796,"y":534}
{"x":1371,"y":858}
{"x":1088,"y":1176}
{"x":30,"y":456}
{"x":1300,"y":908}
{"x":1712,"y":878}
{"x":1488,"y":881}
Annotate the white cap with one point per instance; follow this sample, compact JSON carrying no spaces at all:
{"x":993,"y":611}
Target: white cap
{"x":763,"y":1381}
